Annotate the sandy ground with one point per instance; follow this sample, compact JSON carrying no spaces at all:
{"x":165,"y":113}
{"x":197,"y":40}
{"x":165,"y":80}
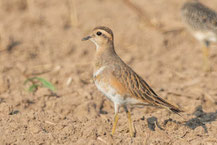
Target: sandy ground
{"x":38,"y":38}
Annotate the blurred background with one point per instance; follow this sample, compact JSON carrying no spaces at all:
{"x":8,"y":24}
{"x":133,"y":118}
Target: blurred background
{"x":43,"y":38}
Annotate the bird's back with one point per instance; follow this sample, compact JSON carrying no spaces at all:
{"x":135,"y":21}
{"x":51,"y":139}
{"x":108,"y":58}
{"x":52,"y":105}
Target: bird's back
{"x":199,"y":17}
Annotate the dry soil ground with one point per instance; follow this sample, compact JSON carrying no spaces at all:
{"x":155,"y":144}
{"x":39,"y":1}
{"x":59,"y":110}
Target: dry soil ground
{"x":38,"y":38}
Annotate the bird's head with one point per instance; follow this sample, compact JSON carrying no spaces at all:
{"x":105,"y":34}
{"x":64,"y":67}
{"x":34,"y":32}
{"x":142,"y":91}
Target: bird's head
{"x":101,"y":36}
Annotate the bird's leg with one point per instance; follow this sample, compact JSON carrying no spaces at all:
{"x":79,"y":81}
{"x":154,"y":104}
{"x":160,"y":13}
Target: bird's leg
{"x":206,"y":62}
{"x":130,"y":124}
{"x":129,"y":121}
{"x":115,"y":123}
{"x":115,"y":118}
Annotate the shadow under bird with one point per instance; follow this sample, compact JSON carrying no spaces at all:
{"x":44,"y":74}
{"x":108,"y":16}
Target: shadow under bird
{"x":202,"y":22}
{"x":117,"y":81}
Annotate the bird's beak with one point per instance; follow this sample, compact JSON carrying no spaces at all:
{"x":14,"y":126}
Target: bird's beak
{"x":86,"y":38}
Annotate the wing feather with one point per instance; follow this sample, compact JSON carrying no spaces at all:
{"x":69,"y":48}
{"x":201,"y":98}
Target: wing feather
{"x":138,"y":88}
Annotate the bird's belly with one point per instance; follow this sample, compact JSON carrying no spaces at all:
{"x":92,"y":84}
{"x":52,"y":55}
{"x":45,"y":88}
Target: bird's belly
{"x":109,"y":92}
{"x":210,"y":36}
{"x":113,"y":95}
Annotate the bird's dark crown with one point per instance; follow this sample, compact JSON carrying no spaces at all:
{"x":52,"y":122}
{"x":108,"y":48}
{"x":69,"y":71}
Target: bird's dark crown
{"x":108,"y":30}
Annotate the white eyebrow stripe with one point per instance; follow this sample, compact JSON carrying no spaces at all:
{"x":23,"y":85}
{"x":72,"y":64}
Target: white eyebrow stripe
{"x":99,"y":71}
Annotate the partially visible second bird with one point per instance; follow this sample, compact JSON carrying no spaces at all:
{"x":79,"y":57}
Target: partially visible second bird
{"x":202,"y":22}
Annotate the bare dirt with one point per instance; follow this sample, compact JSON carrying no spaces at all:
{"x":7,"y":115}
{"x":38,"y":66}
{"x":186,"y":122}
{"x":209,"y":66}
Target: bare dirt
{"x":38,"y":38}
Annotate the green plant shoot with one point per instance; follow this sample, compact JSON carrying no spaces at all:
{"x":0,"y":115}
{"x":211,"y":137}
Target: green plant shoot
{"x":39,"y":82}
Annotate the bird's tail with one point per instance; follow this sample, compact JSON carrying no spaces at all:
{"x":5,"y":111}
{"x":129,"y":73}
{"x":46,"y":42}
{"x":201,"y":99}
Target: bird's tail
{"x":175,"y":109}
{"x":169,"y":106}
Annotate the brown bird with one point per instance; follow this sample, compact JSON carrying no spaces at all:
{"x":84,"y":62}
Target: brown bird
{"x":202,"y":22}
{"x":117,"y":81}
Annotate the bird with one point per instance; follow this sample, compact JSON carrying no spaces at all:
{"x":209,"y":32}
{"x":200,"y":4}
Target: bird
{"x":202,"y":23}
{"x":117,"y":81}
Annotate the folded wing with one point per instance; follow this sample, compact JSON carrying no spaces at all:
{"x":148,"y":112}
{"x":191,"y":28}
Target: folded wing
{"x":140,"y":90}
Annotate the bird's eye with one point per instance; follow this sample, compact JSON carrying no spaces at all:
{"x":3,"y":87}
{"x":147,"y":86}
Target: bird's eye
{"x":98,"y":33}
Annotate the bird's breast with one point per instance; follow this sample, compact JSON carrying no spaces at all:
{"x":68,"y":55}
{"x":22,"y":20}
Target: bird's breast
{"x":103,"y":84}
{"x":98,"y":71}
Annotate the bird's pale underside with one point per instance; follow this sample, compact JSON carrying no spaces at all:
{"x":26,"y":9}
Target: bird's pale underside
{"x":117,"y":81}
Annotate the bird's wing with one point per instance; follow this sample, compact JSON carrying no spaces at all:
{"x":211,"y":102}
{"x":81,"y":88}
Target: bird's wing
{"x":206,"y":16}
{"x":200,"y":16}
{"x":213,"y":24}
{"x":209,"y":18}
{"x":129,"y":81}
